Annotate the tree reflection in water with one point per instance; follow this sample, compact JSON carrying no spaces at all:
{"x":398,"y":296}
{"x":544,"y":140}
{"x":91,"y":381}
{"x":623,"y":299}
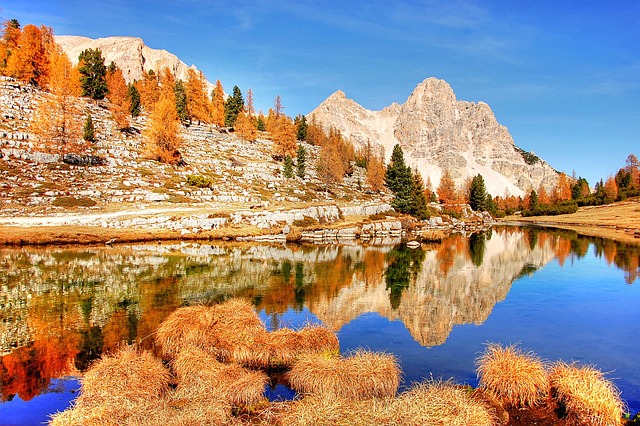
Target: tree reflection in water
{"x":63,"y":308}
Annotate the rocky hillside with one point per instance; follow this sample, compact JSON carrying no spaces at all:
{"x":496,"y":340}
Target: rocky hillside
{"x":231,"y":173}
{"x":437,"y":132}
{"x":130,"y":54}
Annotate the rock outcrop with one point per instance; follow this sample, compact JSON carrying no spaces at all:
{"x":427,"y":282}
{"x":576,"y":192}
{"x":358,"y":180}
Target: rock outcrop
{"x":130,"y":54}
{"x":437,"y":132}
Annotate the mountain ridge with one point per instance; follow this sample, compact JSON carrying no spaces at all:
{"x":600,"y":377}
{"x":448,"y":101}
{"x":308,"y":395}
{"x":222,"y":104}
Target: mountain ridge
{"x":437,"y":131}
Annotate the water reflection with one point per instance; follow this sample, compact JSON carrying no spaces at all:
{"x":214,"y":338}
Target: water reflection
{"x":62,"y":308}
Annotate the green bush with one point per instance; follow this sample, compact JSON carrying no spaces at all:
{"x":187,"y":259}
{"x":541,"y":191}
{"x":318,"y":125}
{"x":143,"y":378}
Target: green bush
{"x":566,"y":207}
{"x":199,"y":181}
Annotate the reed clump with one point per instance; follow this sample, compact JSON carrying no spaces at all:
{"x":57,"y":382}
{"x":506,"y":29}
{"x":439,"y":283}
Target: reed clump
{"x":586,"y":395}
{"x":361,"y":375}
{"x":514,"y":377}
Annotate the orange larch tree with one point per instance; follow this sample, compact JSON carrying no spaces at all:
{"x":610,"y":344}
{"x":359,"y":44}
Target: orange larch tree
{"x":610,"y":190}
{"x":447,"y":191}
{"x":245,"y":127}
{"x":198,"y":105}
{"x":58,"y":120}
{"x":162,"y":136}
{"x":375,"y":173}
{"x":119,"y":104}
{"x":149,"y":90}
{"x":284,"y":137}
{"x":217,"y":105}
{"x":562,"y":191}
{"x":8,"y":42}
{"x":543,"y":197}
{"x":29,"y":62}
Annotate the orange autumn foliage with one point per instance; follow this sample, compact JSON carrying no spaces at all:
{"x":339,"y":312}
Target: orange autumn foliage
{"x":118,"y":101}
{"x":198,"y":105}
{"x":447,"y":191}
{"x":149,"y":90}
{"x":217,"y":105}
{"x":162,"y":136}
{"x":29,"y":60}
{"x":375,"y":173}
{"x":245,"y":127}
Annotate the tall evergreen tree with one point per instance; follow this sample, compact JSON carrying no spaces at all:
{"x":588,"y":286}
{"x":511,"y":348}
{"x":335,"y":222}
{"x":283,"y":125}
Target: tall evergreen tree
{"x":260,"y":126}
{"x":418,"y":200}
{"x":288,"y":166}
{"x":398,"y":175}
{"x":181,"y":101}
{"x":301,"y":159}
{"x":88,"y":132}
{"x":134,"y":100}
{"x":301,"y":127}
{"x":233,"y":107}
{"x":93,"y":73}
{"x":478,"y":194}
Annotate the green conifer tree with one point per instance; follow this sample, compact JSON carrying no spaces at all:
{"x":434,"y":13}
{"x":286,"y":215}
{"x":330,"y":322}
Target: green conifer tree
{"x":134,"y":100}
{"x":88,"y":132}
{"x":478,"y":194}
{"x":288,"y":167}
{"x":417,"y":200}
{"x":181,"y":101}
{"x":232,"y":107}
{"x":301,"y":127}
{"x":93,"y":73}
{"x":261,"y":126}
{"x":301,"y":159}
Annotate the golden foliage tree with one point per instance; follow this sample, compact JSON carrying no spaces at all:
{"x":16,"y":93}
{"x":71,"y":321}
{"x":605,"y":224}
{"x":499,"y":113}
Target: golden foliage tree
{"x":198,"y":105}
{"x":58,"y":121}
{"x":610,"y":189}
{"x":245,"y":127}
{"x":543,"y":196}
{"x":8,"y":42}
{"x":375,"y":173}
{"x":119,"y":103}
{"x":447,"y":191}
{"x":284,"y":136}
{"x":149,"y":90}
{"x":329,"y":166}
{"x":562,"y":191}
{"x":315,"y":134}
{"x":217,"y":105}
{"x":29,"y":62}
{"x":162,"y":136}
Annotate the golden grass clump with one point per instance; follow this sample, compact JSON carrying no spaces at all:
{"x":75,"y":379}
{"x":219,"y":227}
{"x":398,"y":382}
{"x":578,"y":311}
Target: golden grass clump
{"x":588,"y":398}
{"x":200,"y":375}
{"x":117,"y":388}
{"x":361,"y":375}
{"x":287,"y":345}
{"x":514,"y":377}
{"x":188,"y":326}
{"x":323,"y":410}
{"x":439,"y":403}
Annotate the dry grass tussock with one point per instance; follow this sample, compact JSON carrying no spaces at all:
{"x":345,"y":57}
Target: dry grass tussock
{"x":514,"y":377}
{"x":439,"y":403}
{"x":199,"y":374}
{"x":118,"y":387}
{"x":361,"y":375}
{"x":232,"y":332}
{"x":587,"y":397}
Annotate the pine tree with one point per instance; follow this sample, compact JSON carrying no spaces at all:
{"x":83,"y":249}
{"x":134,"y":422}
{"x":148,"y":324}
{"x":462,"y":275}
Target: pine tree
{"x":88,"y":132}
{"x":133,"y":96}
{"x":93,"y":74}
{"x":181,"y":102}
{"x":478,"y":194}
{"x":301,"y":127}
{"x":288,"y":167}
{"x":233,"y":107}
{"x":261,"y":126}
{"x":418,"y":201}
{"x":301,"y":160}
{"x":398,"y":175}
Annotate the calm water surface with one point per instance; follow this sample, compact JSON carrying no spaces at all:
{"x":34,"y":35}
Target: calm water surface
{"x":558,"y":294}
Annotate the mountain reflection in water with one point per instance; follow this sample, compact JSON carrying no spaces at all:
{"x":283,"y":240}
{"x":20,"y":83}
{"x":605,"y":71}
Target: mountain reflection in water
{"x":61,"y":308}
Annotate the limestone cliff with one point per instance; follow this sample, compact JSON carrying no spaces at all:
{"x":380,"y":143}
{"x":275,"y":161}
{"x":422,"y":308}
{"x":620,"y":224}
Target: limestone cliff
{"x":437,"y":132}
{"x":130,"y":54}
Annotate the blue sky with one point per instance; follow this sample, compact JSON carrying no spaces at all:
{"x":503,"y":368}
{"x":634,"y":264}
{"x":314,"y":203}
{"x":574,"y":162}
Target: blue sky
{"x":562,"y":75}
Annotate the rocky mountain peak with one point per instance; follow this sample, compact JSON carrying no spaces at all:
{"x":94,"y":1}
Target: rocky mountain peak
{"x":130,"y":54}
{"x":437,"y":132}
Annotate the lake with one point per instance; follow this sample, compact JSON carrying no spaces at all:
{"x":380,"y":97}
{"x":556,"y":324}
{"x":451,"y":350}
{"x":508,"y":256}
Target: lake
{"x":556,"y":293}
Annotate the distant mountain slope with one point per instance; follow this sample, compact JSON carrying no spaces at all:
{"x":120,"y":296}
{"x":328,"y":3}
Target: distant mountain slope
{"x":438,"y":132}
{"x":130,"y":54}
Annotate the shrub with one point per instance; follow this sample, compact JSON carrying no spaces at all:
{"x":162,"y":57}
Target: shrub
{"x":199,"y":181}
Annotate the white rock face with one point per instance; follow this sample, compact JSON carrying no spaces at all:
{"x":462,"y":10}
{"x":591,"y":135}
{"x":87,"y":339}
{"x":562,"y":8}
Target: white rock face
{"x":438,"y":132}
{"x":130,"y":54}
